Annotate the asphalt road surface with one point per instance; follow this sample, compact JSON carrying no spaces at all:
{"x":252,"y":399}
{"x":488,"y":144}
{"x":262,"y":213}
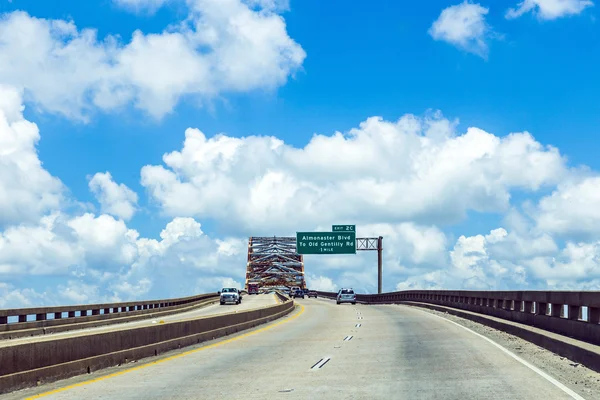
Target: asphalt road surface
{"x":395,"y":353}
{"x":248,"y":302}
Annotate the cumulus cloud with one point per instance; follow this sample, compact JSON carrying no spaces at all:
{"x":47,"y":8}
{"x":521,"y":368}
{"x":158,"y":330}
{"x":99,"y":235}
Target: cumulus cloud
{"x":149,"y":6}
{"x":103,"y":259}
{"x":464,"y":26}
{"x":411,"y":170}
{"x":321,"y":283}
{"x":27,"y":190}
{"x":115,"y":199}
{"x":223,"y":46}
{"x":572,"y":210}
{"x":549,"y":9}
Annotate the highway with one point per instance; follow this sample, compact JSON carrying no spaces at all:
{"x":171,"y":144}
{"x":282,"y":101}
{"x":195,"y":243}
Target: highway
{"x":397,"y":352}
{"x":248,"y":302}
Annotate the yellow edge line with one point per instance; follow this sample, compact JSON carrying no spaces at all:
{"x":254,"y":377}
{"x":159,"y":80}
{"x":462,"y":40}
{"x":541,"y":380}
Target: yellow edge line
{"x":210,"y":346}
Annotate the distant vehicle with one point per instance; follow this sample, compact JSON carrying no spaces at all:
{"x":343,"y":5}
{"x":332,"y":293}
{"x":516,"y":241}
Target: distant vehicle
{"x":252,"y":288}
{"x":230,"y":296}
{"x":312,"y":293}
{"x":296,"y":292}
{"x":346,"y":295}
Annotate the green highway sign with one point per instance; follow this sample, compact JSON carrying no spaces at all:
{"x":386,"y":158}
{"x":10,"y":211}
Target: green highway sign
{"x":343,"y":228}
{"x":326,"y":242}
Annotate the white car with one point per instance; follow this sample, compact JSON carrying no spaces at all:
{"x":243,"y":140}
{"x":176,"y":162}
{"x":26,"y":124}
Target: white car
{"x":230,"y":296}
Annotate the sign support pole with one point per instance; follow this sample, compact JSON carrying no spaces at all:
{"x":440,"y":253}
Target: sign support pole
{"x":379,"y":263}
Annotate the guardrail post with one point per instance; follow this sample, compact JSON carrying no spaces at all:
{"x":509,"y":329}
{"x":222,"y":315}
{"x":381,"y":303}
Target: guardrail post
{"x":542,"y":308}
{"x":83,"y":313}
{"x":556,"y":310}
{"x":57,"y":315}
{"x":40,"y":317}
{"x":527,"y":308}
{"x":3,"y":320}
{"x":96,"y":312}
{"x":574,"y":312}
{"x":593,"y":315}
{"x":107,"y":311}
{"x":71,"y":314}
{"x":22,"y":318}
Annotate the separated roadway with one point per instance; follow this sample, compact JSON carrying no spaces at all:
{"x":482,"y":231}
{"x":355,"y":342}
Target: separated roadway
{"x":325,"y":351}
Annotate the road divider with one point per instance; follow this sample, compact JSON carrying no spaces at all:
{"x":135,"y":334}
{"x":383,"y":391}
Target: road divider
{"x":91,"y":315}
{"x":25,"y":365}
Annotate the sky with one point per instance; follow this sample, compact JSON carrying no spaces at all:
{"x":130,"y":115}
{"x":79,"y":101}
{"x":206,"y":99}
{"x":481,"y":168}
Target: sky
{"x":143,"y":141}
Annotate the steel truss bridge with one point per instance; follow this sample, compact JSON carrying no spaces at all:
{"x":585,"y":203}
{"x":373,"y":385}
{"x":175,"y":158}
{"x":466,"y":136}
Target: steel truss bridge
{"x":273,"y":262}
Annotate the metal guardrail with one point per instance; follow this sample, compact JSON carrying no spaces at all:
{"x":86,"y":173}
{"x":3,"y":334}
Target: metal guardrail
{"x":572,"y":313}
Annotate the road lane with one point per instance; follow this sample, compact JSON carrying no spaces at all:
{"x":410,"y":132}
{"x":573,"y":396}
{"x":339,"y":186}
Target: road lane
{"x":397,"y":352}
{"x":248,"y":302}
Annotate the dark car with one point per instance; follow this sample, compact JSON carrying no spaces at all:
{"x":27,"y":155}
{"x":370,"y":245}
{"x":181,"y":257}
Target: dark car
{"x":312,"y":293}
{"x":297,"y":292}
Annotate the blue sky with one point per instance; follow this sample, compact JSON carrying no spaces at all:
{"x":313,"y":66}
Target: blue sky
{"x":539,"y":76}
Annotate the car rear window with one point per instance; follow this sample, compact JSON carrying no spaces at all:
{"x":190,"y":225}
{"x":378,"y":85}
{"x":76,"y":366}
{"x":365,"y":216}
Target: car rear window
{"x":347,"y":291}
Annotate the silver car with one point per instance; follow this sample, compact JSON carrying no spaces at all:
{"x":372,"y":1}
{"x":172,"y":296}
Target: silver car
{"x":346,"y":296}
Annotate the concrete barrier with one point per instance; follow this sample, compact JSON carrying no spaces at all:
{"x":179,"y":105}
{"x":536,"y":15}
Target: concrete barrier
{"x":30,"y":364}
{"x":90,"y":312}
{"x":129,"y":317}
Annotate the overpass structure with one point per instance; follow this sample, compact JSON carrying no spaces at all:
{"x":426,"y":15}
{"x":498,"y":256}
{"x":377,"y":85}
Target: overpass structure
{"x":393,"y":347}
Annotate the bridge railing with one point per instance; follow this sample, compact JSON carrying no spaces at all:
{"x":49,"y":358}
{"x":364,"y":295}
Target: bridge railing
{"x":570,"y":313}
{"x":36,"y":317}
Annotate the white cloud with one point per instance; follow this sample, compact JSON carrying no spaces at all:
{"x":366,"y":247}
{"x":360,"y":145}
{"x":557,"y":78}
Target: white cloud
{"x":464,"y":26}
{"x":414,"y":169}
{"x":216,"y":283}
{"x":26,"y":189}
{"x":223,"y":46}
{"x":115,"y":199}
{"x":149,"y":6}
{"x":321,"y":283}
{"x":473,"y":266}
{"x":38,"y":249}
{"x":12,"y":297}
{"x":549,"y":9}
{"x":572,"y":210}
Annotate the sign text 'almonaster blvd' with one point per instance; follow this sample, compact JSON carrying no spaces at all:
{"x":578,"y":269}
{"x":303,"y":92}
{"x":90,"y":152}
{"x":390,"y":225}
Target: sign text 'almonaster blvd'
{"x":326,"y":242}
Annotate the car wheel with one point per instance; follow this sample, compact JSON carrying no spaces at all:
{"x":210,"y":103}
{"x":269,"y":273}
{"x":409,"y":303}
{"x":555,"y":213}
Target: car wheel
{"x":338,"y":303}
{"x":354,"y":303}
{"x":222,"y":303}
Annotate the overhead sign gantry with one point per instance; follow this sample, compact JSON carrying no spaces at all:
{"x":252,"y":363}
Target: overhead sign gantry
{"x":277,"y":262}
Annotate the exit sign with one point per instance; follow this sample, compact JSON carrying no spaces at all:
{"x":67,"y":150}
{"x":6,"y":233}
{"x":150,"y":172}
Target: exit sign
{"x":343,"y":228}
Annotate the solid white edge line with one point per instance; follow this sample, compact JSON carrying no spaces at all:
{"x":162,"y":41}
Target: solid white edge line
{"x":519,"y":359}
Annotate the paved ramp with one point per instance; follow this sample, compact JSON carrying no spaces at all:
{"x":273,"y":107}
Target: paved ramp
{"x":327,"y":351}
